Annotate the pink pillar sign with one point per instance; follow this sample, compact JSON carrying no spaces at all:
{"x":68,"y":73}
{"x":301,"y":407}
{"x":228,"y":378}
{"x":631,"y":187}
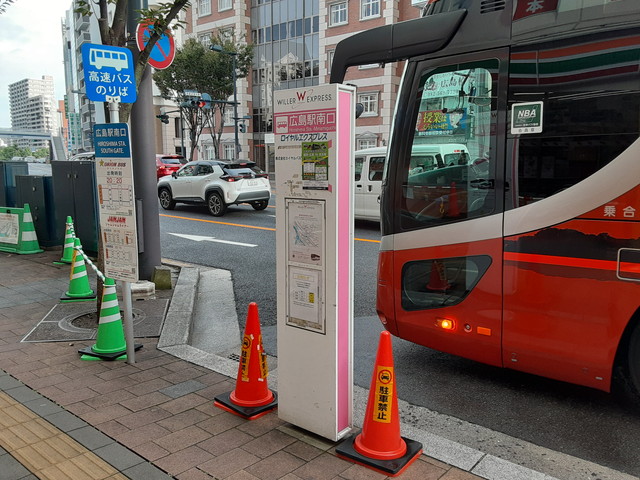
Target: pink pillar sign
{"x":314,"y":145}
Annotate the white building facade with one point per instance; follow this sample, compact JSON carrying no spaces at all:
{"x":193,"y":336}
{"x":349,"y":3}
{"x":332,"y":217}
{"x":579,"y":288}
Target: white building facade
{"x":33,"y":107}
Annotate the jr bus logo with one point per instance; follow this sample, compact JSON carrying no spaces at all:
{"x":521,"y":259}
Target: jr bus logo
{"x":107,"y":58}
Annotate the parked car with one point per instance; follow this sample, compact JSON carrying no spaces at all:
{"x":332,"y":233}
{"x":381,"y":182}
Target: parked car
{"x":216,"y":184}
{"x":166,"y":164}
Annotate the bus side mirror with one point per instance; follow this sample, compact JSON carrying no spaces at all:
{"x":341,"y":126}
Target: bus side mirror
{"x":359,"y":109}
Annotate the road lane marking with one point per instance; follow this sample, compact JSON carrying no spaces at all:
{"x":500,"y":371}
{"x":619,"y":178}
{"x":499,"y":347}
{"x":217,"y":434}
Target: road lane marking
{"x":200,"y":238}
{"x":245,"y":226}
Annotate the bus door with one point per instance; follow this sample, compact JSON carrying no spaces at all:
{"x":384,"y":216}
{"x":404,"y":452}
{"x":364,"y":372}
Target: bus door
{"x":442,"y":248}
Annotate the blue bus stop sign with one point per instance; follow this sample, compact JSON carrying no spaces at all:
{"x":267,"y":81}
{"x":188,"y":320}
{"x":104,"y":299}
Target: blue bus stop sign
{"x":108,"y":73}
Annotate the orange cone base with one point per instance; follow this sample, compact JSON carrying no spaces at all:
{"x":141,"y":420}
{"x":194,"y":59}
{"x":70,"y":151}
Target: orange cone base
{"x":391,"y":468}
{"x":88,"y":352}
{"x":224,"y":402}
{"x":69,"y":299}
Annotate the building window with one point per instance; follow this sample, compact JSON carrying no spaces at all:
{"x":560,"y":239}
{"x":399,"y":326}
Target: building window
{"x":224,"y":5}
{"x":366,"y":143}
{"x":369,"y":9}
{"x":330,"y":54}
{"x":337,"y":14}
{"x":226,"y":33}
{"x":204,"y":7}
{"x":209,"y":152}
{"x":370,"y":102}
{"x":228,"y":152}
{"x":205,"y":39}
{"x":228,"y":115}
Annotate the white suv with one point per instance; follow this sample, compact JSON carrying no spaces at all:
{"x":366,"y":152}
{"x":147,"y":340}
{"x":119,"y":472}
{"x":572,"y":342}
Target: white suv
{"x":216,"y":184}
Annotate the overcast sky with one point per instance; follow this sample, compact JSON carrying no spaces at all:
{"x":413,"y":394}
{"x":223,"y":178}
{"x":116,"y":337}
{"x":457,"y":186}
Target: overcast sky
{"x":30,"y":46}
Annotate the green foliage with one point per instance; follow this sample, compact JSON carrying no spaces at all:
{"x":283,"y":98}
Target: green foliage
{"x":41,"y":153}
{"x":198,"y":68}
{"x":7,"y":153}
{"x":195,"y":67}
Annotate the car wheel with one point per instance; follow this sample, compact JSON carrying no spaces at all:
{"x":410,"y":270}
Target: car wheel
{"x":166,"y":200}
{"x":216,"y":205}
{"x":259,"y":204}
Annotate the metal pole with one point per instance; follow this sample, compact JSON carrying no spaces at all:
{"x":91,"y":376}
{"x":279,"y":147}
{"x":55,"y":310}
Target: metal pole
{"x":182,"y":152}
{"x":114,"y":117}
{"x":235,"y":105}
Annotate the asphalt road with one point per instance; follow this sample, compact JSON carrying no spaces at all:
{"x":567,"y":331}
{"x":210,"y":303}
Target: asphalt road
{"x":577,"y":421}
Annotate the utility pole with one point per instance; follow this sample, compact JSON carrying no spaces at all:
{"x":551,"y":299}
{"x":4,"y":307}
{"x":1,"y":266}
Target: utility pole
{"x":144,"y":165}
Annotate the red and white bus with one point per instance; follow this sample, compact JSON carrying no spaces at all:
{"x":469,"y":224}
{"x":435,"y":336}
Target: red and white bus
{"x":526,"y":256}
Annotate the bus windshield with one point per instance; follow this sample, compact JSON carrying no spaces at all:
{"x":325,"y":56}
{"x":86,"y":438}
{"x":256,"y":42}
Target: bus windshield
{"x":453,"y":107}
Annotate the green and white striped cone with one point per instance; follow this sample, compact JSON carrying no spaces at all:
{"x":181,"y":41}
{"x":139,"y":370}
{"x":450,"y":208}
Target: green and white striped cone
{"x":110,"y":342}
{"x":28,"y":242}
{"x":79,"y":288}
{"x":67,"y":252}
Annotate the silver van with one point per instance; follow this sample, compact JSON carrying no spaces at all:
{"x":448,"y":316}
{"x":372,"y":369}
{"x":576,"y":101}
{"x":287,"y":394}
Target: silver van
{"x":369,"y":168}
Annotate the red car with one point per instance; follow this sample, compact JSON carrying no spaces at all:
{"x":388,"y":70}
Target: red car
{"x":167,"y":164}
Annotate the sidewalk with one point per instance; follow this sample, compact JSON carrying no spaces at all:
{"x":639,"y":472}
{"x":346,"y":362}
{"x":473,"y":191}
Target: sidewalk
{"x":63,"y":418}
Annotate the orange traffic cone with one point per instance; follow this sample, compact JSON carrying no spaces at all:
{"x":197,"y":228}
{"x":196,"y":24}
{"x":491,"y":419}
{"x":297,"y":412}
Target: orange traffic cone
{"x":251,"y":398}
{"x":379,"y":446}
{"x":438,"y":278}
{"x":454,"y":209}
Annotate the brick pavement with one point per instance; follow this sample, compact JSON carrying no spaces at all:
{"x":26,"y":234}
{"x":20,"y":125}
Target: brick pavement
{"x":153,"y":419}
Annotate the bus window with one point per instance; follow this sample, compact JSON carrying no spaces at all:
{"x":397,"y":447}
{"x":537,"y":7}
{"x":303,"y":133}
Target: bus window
{"x":584,"y":128}
{"x":453,"y":116}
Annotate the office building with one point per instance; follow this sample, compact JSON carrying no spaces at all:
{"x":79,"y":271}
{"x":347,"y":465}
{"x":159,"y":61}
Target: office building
{"x":33,"y":107}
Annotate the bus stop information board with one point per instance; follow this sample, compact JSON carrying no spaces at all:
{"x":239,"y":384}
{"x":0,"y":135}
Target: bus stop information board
{"x":314,"y":140}
{"x":116,"y":201}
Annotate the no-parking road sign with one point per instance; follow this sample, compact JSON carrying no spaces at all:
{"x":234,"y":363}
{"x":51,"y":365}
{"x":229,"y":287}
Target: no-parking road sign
{"x":163,"y":52}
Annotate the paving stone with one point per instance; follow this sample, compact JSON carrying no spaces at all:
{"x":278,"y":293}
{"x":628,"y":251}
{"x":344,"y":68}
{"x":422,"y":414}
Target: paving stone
{"x":275,"y":466}
{"x":65,"y":421}
{"x":183,"y":438}
{"x":183,"y":460}
{"x":229,"y":463}
{"x":269,"y":443}
{"x":145,"y":471}
{"x":120,"y":457}
{"x":90,"y":437}
{"x":183,"y":388}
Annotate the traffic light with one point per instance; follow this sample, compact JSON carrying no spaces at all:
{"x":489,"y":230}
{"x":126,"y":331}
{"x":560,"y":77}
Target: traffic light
{"x":194,"y":103}
{"x":164,"y":118}
{"x":242,"y":127}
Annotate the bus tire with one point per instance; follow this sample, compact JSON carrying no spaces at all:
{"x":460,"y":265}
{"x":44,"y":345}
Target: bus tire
{"x":627,"y":375}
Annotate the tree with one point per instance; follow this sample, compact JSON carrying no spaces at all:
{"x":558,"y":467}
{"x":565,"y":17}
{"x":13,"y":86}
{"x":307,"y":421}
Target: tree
{"x":163,"y":16}
{"x":197,"y":68}
{"x":4,"y":4}
{"x":7,"y":153}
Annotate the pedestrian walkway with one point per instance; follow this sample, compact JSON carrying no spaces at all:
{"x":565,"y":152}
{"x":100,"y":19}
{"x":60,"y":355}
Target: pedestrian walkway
{"x":64,"y":418}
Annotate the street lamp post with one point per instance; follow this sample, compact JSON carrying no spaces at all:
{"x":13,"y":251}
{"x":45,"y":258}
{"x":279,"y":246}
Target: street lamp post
{"x":234,"y":56}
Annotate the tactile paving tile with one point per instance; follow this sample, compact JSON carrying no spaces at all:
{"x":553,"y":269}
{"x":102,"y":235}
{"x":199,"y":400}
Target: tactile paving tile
{"x":46,"y":451}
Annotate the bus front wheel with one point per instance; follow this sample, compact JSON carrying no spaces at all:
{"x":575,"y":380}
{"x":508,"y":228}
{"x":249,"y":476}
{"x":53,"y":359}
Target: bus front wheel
{"x":628,"y":370}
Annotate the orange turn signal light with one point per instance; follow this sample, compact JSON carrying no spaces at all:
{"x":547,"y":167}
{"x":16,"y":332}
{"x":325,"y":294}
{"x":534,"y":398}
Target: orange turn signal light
{"x":445,"y":323}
